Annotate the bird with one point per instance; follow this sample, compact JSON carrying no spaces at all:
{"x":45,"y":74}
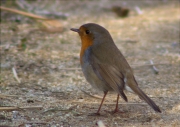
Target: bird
{"x":105,"y":67}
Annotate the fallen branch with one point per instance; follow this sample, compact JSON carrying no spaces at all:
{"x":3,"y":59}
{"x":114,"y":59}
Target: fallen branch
{"x":34,"y":122}
{"x":4,"y":96}
{"x":133,"y":66}
{"x":19,"y":108}
{"x":70,"y":69}
{"x":49,"y":25}
{"x":59,"y":109}
{"x":109,"y":103}
{"x":94,"y":96}
{"x":24,"y":13}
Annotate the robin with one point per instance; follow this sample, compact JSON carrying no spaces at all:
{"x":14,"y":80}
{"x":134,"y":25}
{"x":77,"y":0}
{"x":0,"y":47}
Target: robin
{"x":104,"y":66}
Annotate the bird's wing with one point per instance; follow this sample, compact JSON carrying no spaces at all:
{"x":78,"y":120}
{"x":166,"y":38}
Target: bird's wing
{"x":110,"y":74}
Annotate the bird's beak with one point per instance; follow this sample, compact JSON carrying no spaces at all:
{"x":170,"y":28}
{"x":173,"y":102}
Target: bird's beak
{"x":75,"y":30}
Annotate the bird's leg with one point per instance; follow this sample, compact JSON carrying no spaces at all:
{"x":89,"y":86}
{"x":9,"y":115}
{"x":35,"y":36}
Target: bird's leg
{"x":97,"y":113}
{"x":105,"y":93}
{"x":117,"y":109}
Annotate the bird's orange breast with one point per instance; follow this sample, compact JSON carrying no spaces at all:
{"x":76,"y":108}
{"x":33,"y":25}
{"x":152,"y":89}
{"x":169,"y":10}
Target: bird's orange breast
{"x":86,"y":42}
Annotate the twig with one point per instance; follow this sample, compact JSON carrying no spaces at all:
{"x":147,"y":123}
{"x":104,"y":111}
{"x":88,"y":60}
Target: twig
{"x":94,"y":96}
{"x":48,"y":25}
{"x":3,"y":95}
{"x":155,"y":70}
{"x":15,"y":75}
{"x":109,"y":103}
{"x":55,"y":109}
{"x":19,"y":108}
{"x":34,"y":122}
{"x":133,"y":66}
{"x":37,"y":122}
{"x":59,"y":109}
{"x":70,"y":69}
{"x":24,"y":13}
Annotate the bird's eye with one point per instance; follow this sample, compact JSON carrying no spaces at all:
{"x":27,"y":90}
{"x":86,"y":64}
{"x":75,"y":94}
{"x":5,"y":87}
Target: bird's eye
{"x":87,"y":32}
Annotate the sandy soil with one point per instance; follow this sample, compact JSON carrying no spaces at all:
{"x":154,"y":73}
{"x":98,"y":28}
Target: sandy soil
{"x":52,"y":84}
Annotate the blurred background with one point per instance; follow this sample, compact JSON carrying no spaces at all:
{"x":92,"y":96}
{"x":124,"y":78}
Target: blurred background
{"x":40,"y":69}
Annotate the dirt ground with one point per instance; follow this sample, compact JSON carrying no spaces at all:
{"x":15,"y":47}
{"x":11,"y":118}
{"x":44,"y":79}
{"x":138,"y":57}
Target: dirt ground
{"x":50,"y":91}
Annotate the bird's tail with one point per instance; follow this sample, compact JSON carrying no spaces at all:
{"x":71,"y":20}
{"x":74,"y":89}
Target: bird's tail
{"x":134,"y":86}
{"x":147,"y":99}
